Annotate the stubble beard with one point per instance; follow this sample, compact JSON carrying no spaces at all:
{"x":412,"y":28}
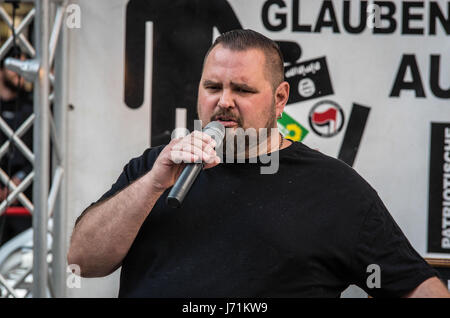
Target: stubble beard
{"x":243,"y":143}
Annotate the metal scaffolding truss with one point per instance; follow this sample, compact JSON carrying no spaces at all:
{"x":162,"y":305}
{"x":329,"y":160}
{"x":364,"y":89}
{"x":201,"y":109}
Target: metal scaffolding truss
{"x":44,"y":274}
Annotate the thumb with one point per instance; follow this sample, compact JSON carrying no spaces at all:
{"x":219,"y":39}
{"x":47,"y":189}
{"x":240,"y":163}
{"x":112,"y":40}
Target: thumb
{"x":212,"y":164}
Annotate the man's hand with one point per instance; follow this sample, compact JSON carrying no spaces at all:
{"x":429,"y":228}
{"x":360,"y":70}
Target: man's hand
{"x":195,"y":147}
{"x":431,"y":288}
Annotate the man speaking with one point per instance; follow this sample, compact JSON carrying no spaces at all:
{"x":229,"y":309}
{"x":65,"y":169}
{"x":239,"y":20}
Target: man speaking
{"x":309,"y":229}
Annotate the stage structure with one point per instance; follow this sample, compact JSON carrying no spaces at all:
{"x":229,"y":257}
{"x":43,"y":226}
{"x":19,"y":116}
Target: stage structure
{"x":46,"y":275}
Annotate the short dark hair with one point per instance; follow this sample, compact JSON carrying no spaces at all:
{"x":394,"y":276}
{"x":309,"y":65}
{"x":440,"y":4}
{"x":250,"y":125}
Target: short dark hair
{"x":241,"y":40}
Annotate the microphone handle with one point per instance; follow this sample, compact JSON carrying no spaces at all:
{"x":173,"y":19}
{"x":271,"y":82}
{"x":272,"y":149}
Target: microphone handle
{"x":183,"y":184}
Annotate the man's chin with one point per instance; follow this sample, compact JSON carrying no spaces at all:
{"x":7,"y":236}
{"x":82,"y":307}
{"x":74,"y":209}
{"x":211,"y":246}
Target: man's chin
{"x":245,"y":143}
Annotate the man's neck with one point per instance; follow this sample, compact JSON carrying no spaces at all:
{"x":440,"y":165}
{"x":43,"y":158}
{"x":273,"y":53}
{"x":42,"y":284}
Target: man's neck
{"x":264,"y":146}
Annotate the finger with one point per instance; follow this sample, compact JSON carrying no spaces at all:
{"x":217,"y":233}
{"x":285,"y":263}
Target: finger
{"x":203,"y":136}
{"x":174,"y":141}
{"x":178,"y":157}
{"x":182,"y":144}
{"x":206,"y":156}
{"x":199,"y":138}
{"x":196,"y":142}
{"x":213,"y":163}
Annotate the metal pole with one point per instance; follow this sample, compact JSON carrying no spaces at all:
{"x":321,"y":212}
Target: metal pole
{"x":23,"y":42}
{"x":41,"y":146}
{"x":19,"y":143}
{"x":22,"y":198}
{"x":9,"y":43}
{"x":19,"y":132}
{"x":60,"y":233}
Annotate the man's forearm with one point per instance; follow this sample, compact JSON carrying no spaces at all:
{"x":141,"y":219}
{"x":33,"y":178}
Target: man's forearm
{"x":104,"y":234}
{"x":430,"y":288}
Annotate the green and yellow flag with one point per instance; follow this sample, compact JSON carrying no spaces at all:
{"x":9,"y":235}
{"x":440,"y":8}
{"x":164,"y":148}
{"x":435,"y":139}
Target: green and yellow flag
{"x":291,"y":129}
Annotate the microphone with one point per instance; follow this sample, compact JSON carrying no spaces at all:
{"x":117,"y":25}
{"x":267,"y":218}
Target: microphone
{"x":187,"y":177}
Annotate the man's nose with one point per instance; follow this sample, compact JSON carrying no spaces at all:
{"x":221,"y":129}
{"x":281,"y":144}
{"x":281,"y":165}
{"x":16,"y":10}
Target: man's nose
{"x":226,"y":99}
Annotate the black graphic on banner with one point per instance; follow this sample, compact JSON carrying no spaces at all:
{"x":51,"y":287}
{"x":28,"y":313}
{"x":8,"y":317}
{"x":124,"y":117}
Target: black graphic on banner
{"x":439,"y":190}
{"x":435,"y":66}
{"x":416,"y":84}
{"x":291,"y":51}
{"x":308,"y":80}
{"x":408,"y":63}
{"x":182,"y":33}
{"x":353,"y":133}
{"x":326,"y":118}
{"x":395,"y":17}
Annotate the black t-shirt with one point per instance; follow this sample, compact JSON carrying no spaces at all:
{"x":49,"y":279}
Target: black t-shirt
{"x":309,"y":230}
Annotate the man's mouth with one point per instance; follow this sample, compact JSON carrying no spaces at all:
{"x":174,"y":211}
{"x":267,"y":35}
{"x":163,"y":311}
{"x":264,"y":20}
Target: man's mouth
{"x":227,"y":121}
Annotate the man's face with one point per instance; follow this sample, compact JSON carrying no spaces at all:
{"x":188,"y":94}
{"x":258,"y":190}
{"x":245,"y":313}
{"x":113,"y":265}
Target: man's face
{"x":236,"y":91}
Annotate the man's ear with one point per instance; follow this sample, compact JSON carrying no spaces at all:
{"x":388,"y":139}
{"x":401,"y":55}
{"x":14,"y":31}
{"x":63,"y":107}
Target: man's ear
{"x":281,"y":97}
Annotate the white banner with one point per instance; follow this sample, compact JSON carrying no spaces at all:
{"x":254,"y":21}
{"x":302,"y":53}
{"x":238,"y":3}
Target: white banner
{"x":368,"y":79}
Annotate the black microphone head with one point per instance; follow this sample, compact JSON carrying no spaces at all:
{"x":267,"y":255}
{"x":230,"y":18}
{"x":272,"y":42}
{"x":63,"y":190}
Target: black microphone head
{"x":216,"y":130}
